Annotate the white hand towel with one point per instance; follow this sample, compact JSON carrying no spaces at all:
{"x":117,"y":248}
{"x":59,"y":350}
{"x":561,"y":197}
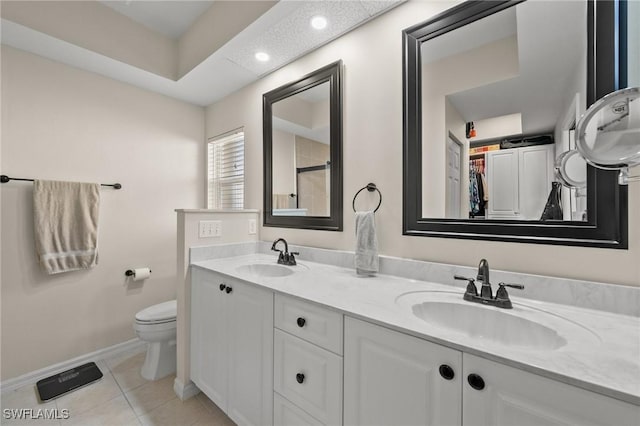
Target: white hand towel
{"x":66,"y":225}
{"x":366,"y":257}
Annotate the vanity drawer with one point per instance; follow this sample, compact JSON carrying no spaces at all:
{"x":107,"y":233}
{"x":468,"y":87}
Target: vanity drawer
{"x":287,"y":414}
{"x":310,"y":322}
{"x":308,"y":376}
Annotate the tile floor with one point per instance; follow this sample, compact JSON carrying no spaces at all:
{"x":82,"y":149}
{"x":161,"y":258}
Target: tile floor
{"x":121,"y":398}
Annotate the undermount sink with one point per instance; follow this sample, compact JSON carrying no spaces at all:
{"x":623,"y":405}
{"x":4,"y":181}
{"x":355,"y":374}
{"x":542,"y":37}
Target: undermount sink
{"x":523,"y":327}
{"x":265,"y":270}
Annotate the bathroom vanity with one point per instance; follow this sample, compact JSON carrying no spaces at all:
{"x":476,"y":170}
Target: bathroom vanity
{"x":314,"y":344}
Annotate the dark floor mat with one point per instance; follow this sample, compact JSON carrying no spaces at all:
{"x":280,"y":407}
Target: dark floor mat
{"x":67,"y":381}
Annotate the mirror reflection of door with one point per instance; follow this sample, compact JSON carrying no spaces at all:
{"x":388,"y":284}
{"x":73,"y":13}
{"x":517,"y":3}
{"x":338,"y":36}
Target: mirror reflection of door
{"x":454,"y":177}
{"x":301,"y":154}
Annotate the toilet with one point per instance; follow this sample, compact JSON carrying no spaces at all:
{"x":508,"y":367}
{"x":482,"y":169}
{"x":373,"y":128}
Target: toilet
{"x":156,"y":325}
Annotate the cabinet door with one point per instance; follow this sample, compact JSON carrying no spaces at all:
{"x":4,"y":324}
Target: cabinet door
{"x":515,"y":397}
{"x":250,"y":331}
{"x":536,"y":174}
{"x":393,"y":379}
{"x":308,"y":376}
{"x":209,"y":336}
{"x":502,"y":180}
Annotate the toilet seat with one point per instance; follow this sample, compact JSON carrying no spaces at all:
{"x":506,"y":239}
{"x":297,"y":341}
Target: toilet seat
{"x":158,"y":314}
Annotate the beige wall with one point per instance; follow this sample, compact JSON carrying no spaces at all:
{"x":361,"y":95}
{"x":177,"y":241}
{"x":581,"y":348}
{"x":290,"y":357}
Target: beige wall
{"x":65,"y":124}
{"x":372,"y":152}
{"x":496,"y":127}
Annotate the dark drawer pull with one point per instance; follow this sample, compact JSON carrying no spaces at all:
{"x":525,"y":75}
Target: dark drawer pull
{"x":300,"y":377}
{"x":447,"y":372}
{"x":475,"y":381}
{"x":301,"y":322}
{"x":222,"y":287}
{"x":228,"y":289}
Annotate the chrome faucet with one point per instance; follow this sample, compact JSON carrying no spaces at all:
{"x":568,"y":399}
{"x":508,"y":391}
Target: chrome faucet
{"x":501,"y":300}
{"x":285,"y":258}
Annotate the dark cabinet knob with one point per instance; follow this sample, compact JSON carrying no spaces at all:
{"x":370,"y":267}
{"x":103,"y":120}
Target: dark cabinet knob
{"x":222,"y":287}
{"x":475,"y":381}
{"x":301,"y":321}
{"x":447,"y":372}
{"x":228,"y":289}
{"x":300,"y":377}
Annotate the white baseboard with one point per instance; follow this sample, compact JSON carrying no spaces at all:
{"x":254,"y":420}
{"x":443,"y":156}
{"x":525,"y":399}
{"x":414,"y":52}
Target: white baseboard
{"x":34,"y":376}
{"x":183,"y":391}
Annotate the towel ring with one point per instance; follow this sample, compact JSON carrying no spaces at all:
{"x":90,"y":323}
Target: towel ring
{"x":370,"y":187}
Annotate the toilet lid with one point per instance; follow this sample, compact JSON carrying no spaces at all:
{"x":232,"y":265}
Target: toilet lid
{"x":160,"y":312}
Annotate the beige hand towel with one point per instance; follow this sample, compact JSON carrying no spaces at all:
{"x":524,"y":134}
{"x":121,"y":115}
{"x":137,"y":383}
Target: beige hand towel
{"x":66,"y":225}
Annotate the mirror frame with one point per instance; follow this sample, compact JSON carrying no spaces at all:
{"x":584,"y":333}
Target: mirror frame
{"x":331,"y":73}
{"x":606,"y":200}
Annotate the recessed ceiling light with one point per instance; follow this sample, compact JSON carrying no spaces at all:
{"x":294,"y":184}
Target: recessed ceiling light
{"x":319,"y":22}
{"x":262,"y":57}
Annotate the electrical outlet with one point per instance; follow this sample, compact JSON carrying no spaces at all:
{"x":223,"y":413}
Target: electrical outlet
{"x":252,"y":226}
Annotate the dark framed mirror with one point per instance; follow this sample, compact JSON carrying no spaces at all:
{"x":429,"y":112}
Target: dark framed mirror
{"x":492,"y":93}
{"x":302,"y":146}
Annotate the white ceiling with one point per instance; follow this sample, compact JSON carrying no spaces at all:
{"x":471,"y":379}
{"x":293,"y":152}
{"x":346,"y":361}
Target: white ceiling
{"x":319,"y":93}
{"x":283,"y":31}
{"x":484,"y":31}
{"x":551,"y":55}
{"x":170,"y":18}
{"x":319,"y":134}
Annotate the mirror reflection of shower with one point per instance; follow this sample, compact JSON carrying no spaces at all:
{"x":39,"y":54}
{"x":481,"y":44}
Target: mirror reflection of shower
{"x":301,"y":154}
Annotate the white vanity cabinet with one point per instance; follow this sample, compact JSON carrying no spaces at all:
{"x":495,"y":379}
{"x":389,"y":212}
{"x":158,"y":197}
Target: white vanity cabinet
{"x":232,"y":346}
{"x":514,"y":397}
{"x":307,"y":363}
{"x":391,"y":378}
{"x":519,"y":181}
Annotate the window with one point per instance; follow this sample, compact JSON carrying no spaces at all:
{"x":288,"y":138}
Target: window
{"x":225,"y":171}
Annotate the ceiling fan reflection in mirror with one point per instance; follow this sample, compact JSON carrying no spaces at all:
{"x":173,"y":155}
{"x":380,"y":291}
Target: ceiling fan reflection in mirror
{"x":608,"y":134}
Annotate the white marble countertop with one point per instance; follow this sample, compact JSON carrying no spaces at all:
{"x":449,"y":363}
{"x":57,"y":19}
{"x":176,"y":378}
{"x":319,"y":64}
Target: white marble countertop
{"x":602,"y":353}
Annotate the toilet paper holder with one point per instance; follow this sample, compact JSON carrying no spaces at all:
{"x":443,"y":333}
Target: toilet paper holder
{"x":132,"y":273}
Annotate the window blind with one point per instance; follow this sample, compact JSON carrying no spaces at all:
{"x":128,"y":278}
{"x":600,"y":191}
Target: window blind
{"x":225,"y":170}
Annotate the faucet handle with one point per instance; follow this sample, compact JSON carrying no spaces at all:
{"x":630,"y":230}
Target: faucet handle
{"x":461,"y":278}
{"x":502,"y":294}
{"x":471,"y":286}
{"x":516,"y":286}
{"x":292,"y":259}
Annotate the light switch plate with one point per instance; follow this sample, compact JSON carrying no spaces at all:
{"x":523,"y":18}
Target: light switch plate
{"x":209,"y":228}
{"x":202,"y":229}
{"x":216,"y":228}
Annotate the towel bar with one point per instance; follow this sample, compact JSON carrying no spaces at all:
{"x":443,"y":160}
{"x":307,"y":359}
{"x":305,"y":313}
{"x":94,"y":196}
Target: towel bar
{"x":5,"y":179}
{"x":370,"y":187}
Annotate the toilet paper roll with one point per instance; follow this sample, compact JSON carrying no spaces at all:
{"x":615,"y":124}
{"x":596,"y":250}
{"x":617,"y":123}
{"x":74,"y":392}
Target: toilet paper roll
{"x":140,"y":274}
